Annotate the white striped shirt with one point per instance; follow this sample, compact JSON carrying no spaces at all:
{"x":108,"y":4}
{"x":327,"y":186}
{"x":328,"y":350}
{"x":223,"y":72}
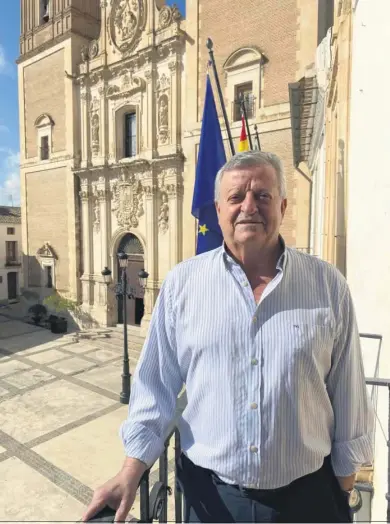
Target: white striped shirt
{"x":272,"y":387}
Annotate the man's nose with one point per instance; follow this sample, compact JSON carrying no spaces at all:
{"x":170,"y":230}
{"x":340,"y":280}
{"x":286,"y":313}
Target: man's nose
{"x":249,"y":204}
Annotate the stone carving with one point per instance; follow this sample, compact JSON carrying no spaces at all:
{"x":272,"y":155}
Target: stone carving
{"x":46,"y":251}
{"x":95,"y":133}
{"x":127,"y":200}
{"x":93,"y":49}
{"x":84,"y":192}
{"x":129,"y":85}
{"x":84,"y":53}
{"x":163,"y":83}
{"x":168,"y":15}
{"x":96,"y":215}
{"x":163,"y":119}
{"x":127,"y":18}
{"x":165,"y":17}
{"x":163,"y":217}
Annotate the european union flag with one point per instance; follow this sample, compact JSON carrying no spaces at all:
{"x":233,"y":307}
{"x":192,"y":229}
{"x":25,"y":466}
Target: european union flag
{"x":211,"y":158}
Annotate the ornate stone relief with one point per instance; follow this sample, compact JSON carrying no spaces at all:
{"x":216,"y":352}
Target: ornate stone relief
{"x":127,"y":200}
{"x":163,"y":216}
{"x":84,"y":190}
{"x":163,"y":87}
{"x":95,"y":125}
{"x":126,"y":22}
{"x":93,"y":49}
{"x":129,"y":85}
{"x":46,"y":251}
{"x":168,"y":15}
{"x":163,"y":130}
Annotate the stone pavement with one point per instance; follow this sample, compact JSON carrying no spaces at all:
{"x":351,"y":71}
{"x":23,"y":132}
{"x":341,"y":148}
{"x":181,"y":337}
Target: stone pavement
{"x":59,"y":423}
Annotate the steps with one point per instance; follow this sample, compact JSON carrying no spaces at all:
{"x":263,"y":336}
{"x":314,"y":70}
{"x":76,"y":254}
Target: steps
{"x":113,"y":340}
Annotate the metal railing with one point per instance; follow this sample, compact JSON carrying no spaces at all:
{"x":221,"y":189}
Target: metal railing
{"x":384,"y":382}
{"x":154,"y":502}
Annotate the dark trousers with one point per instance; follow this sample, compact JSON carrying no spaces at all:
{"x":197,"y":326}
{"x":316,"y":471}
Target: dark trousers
{"x":313,"y":498}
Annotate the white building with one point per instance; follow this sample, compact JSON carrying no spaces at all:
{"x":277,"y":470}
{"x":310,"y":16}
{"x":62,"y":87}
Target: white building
{"x":368,"y":217}
{"x":10,"y":253}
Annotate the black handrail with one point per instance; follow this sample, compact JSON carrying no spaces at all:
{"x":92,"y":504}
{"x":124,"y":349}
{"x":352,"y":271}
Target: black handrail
{"x":154,"y":501}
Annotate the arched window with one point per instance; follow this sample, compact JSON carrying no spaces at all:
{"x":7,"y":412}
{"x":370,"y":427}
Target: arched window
{"x":126,"y":131}
{"x":44,"y":126}
{"x":243,"y":73}
{"x":131,"y":245}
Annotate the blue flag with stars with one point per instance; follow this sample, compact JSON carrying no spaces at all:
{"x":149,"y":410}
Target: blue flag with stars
{"x":211,"y":158}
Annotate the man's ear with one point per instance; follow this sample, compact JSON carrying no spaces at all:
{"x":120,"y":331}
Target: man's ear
{"x":283,"y":206}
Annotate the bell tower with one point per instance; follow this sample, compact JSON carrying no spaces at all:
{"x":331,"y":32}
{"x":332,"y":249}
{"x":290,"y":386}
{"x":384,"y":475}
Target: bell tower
{"x":53,"y":36}
{"x":44,"y":21}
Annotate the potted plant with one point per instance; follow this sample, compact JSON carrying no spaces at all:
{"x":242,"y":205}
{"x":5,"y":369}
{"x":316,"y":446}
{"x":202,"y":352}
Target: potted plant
{"x":60,"y":304}
{"x":37,"y":312}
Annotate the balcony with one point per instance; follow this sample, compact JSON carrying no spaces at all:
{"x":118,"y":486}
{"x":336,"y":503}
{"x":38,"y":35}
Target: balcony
{"x":13,"y":261}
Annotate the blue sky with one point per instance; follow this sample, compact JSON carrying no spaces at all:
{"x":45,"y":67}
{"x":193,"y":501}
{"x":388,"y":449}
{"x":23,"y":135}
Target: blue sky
{"x":9,"y":125}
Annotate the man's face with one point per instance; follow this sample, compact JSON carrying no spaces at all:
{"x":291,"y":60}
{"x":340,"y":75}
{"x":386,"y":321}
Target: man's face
{"x":250,"y":208}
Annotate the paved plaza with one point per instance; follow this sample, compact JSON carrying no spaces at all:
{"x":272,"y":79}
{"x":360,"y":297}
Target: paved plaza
{"x":59,"y":421}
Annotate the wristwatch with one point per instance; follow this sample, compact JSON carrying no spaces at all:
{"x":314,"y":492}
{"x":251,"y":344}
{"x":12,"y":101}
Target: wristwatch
{"x":355,"y":499}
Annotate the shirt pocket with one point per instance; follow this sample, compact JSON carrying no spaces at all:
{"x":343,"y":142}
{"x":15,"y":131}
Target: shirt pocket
{"x":310,"y":343}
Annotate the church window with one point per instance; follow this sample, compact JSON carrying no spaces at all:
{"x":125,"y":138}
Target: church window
{"x":44,"y":147}
{"x":130,"y":135}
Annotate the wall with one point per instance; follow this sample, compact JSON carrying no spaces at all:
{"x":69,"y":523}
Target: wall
{"x":3,"y":269}
{"x":47,"y":216}
{"x":286,"y":33}
{"x":44,"y":91}
{"x":368,"y":268}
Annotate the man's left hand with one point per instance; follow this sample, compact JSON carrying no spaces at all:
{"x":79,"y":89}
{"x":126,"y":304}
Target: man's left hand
{"x":347,"y":483}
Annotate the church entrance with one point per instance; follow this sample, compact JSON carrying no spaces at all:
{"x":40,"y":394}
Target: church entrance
{"x":131,"y":245}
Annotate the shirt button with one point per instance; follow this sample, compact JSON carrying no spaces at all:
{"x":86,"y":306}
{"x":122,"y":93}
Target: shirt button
{"x":254,"y":361}
{"x":254,"y":319}
{"x":254,"y":405}
{"x":245,"y":284}
{"x":254,"y":449}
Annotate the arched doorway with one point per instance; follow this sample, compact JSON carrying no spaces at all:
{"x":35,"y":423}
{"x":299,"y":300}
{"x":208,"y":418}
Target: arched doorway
{"x":132,"y":246}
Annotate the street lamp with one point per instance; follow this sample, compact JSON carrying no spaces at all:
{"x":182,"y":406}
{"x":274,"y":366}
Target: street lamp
{"x":121,"y":291}
{"x":106,"y":275}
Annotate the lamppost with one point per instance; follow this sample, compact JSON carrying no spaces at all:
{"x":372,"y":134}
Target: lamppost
{"x":121,"y":291}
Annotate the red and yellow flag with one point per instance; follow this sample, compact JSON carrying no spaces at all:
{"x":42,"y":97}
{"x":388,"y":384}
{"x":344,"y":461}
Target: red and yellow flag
{"x":243,"y":145}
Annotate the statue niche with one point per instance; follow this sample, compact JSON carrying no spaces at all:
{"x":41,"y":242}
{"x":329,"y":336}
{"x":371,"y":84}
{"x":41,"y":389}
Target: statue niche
{"x":163,"y":118}
{"x":95,"y":133}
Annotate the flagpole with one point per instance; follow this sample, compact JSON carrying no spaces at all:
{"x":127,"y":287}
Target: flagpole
{"x":257,"y":138}
{"x":209,"y":45}
{"x":246,"y":123}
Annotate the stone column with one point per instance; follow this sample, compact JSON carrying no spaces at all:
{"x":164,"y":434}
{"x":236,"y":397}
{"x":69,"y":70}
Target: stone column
{"x":104,"y":301}
{"x":175,"y":198}
{"x":85,"y":195}
{"x":150,"y":135}
{"x":151,"y":259}
{"x":175,"y":102}
{"x":84,"y":128}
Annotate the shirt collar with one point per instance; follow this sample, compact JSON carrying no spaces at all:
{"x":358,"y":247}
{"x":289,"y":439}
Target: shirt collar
{"x":280,"y":265}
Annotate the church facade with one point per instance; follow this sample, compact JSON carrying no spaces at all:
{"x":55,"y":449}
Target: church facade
{"x":111,"y":96}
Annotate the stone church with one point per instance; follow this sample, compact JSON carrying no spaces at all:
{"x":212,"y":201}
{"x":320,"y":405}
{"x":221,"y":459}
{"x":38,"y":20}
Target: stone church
{"x":111,"y":97}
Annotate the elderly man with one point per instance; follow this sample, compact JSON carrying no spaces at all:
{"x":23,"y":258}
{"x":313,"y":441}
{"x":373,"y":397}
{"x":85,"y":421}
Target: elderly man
{"x":265,"y":339}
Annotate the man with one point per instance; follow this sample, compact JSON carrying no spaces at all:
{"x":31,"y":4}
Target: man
{"x":264,"y":337}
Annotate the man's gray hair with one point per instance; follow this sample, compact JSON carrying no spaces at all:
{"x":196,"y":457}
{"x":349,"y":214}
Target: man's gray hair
{"x":252,"y":159}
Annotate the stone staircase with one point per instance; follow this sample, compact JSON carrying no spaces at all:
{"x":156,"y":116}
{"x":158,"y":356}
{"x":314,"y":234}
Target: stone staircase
{"x":112,"y":338}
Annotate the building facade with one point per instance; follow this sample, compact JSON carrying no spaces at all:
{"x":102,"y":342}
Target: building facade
{"x":11,"y":277}
{"x":111,"y":98}
{"x":368,"y":217}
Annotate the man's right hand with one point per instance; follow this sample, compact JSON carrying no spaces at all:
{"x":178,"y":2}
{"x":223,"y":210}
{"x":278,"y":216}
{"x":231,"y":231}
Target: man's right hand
{"x":118,"y":493}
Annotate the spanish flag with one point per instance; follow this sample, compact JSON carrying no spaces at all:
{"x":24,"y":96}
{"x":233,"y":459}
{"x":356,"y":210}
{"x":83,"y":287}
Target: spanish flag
{"x":243,"y":145}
